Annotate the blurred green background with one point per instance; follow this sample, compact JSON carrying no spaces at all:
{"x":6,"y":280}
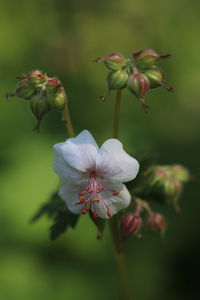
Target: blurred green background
{"x":62,"y":38}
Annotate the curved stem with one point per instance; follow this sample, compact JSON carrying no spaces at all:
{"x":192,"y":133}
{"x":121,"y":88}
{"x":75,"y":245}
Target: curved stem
{"x":67,"y":121}
{"x":117,"y":114}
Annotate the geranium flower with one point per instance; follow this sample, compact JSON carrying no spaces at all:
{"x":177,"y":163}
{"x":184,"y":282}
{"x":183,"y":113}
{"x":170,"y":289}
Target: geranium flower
{"x":92,"y":177}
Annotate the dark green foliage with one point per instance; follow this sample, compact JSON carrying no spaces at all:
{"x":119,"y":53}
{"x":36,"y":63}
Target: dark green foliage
{"x":56,"y":209}
{"x":62,"y":220}
{"x":50,"y":208}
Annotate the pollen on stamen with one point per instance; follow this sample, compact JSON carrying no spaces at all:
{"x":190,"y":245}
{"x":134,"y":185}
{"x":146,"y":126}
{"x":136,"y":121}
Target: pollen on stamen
{"x":96,"y":200}
{"x":82,"y":193}
{"x":109,"y":213}
{"x":84,"y":211}
{"x":82,"y":199}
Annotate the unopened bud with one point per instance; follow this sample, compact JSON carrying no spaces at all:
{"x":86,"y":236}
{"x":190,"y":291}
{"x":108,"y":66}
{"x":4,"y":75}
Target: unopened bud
{"x":113,"y":61}
{"x":39,"y":107}
{"x":161,"y":184}
{"x":156,"y":77}
{"x":148,"y":57}
{"x":130,"y":224}
{"x":157,"y":223}
{"x":58,"y":100}
{"x":36,"y":78}
{"x":24,"y":90}
{"x":117,"y":80}
{"x":181,"y":173}
{"x":139,"y":85}
{"x":53,"y":84}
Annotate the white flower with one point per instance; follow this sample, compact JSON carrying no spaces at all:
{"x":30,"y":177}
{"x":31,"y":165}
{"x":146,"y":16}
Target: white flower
{"x":91,"y":177}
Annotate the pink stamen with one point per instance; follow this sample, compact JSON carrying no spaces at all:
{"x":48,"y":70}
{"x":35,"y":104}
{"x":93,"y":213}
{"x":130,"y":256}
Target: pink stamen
{"x":92,"y":195}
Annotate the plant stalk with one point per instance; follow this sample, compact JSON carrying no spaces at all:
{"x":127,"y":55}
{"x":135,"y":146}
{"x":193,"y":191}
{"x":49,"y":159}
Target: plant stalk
{"x":117,"y":114}
{"x":114,"y":221}
{"x":68,"y":122}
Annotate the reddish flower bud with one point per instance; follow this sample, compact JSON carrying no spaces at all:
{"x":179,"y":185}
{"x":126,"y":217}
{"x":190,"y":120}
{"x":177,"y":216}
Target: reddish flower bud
{"x":53,"y":83}
{"x":130,"y":224}
{"x":113,"y":61}
{"x":36,"y":77}
{"x":157,"y":222}
{"x":148,"y":57}
{"x":139,"y":85}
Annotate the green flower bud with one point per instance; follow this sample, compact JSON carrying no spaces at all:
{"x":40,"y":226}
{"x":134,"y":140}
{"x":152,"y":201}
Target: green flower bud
{"x":161,"y":183}
{"x":56,"y":94}
{"x":117,"y":80}
{"x":39,"y":107}
{"x":24,"y":90}
{"x":155,"y":76}
{"x":139,"y":85}
{"x":147,"y":57}
{"x":180,"y":173}
{"x":58,"y":100}
{"x":113,"y":61}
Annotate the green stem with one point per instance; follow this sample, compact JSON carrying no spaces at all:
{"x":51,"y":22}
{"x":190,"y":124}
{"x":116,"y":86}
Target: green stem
{"x":67,"y":121}
{"x":117,"y":114}
{"x":114,"y":222}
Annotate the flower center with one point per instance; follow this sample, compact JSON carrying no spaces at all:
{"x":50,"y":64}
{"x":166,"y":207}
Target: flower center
{"x":93,"y":194}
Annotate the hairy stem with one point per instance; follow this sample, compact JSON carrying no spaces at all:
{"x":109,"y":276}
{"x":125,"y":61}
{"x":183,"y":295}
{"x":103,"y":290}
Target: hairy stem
{"x":114,"y":222}
{"x":67,"y":121}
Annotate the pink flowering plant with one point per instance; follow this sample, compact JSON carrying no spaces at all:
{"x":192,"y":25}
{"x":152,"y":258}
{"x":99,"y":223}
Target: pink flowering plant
{"x":105,"y":183}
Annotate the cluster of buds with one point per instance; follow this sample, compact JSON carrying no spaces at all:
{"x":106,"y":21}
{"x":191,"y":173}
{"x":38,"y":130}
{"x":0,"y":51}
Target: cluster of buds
{"x":132,"y":222}
{"x":165,"y":183}
{"x":139,"y":74}
{"x":42,"y":93}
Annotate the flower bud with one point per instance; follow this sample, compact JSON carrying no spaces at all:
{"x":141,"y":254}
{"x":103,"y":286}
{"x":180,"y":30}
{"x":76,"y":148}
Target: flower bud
{"x":117,"y":80}
{"x":56,"y":94}
{"x":36,"y":78}
{"x":180,"y":173}
{"x":156,"y":77}
{"x":24,"y":90}
{"x":161,"y":184}
{"x":157,"y":223}
{"x":58,"y":100}
{"x":39,"y":107}
{"x":147,"y":57}
{"x":139,"y":85}
{"x":113,"y":61}
{"x":131,"y":223}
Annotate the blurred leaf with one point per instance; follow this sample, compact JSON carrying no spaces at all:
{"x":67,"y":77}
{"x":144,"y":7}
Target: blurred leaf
{"x":62,"y":220}
{"x":50,"y":208}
